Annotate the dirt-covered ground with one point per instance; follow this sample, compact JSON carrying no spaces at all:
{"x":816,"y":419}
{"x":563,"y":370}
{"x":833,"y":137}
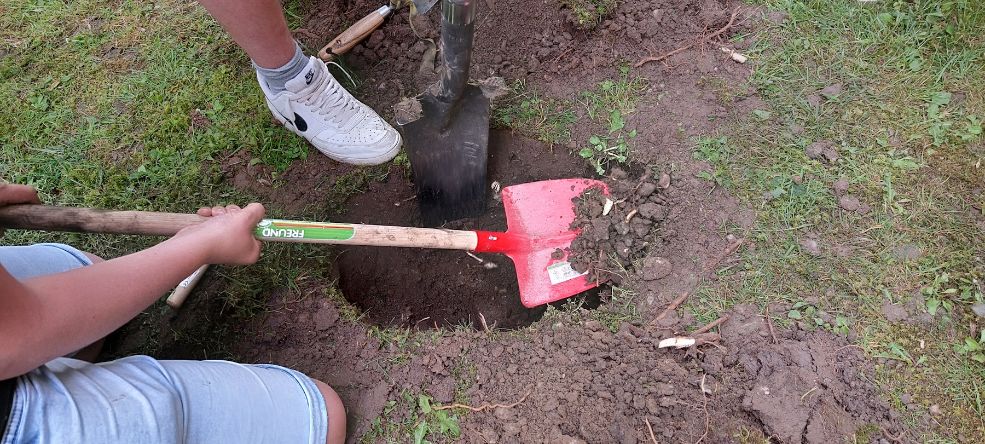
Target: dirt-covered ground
{"x":575,"y":374}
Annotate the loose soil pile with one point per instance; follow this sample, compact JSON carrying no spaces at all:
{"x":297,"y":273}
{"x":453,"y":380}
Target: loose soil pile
{"x":619,"y":225}
{"x":580,"y":382}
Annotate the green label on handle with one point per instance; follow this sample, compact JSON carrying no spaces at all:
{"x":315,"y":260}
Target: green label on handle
{"x":298,"y":230}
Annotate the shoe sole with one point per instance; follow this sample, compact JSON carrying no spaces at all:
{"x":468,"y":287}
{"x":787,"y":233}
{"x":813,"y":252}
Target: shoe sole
{"x":375,"y":160}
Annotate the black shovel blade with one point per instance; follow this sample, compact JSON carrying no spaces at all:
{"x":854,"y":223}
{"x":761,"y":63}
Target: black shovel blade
{"x":448,"y":150}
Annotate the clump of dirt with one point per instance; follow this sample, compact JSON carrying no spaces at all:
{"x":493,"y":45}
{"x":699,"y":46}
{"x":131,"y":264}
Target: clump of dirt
{"x":620,"y":225}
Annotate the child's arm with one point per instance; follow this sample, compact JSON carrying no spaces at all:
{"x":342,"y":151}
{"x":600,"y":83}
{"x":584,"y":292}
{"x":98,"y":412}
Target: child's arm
{"x":50,"y":316}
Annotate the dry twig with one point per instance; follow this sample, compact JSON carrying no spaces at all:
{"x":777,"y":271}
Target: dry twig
{"x":482,"y":321}
{"x":673,"y":306}
{"x":484,"y":406}
{"x":653,"y":438}
{"x":710,"y":325}
{"x":891,"y":437}
{"x":704,"y":397}
{"x":729,"y":250}
{"x":700,"y":41}
{"x":769,"y":324}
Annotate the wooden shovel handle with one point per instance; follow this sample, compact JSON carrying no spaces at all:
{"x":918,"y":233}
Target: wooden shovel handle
{"x":88,"y":220}
{"x":355,"y":34}
{"x":185,"y":287}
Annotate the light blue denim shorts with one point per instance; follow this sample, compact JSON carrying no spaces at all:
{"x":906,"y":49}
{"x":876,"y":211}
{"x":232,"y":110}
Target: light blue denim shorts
{"x":139,"y":399}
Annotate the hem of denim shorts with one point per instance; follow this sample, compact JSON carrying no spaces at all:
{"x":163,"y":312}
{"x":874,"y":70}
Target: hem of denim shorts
{"x":319,"y":420}
{"x":75,"y":252}
{"x":16,"y":417}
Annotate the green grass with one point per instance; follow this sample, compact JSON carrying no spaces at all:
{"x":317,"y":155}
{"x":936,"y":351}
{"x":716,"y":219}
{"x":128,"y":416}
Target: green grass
{"x":907,"y":129}
{"x":97,"y":100}
{"x":590,"y":13}
{"x":546,"y":119}
{"x":89,"y":127}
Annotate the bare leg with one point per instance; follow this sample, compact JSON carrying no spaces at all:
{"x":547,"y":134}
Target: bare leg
{"x":257,"y":26}
{"x":336,"y":413}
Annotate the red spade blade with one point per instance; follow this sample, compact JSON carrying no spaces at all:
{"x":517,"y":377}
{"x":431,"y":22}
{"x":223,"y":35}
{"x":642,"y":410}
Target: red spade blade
{"x":539,"y":217}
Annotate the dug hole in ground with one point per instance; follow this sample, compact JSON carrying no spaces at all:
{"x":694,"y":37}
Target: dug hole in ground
{"x":580,"y":373}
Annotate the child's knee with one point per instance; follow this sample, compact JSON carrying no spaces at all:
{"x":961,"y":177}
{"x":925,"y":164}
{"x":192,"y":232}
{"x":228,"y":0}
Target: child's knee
{"x":92,"y":257}
{"x":336,"y":413}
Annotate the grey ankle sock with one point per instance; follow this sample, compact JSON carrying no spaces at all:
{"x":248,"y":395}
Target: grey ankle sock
{"x":277,"y":78}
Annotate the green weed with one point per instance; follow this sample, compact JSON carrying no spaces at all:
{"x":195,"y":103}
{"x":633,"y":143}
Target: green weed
{"x":413,"y":417}
{"x":546,"y":119}
{"x":607,"y":106}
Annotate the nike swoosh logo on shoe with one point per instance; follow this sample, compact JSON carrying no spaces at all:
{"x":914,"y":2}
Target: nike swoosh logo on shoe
{"x":297,"y":121}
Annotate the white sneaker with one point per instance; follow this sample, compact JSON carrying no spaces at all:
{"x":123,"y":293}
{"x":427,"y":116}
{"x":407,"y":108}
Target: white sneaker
{"x":318,"y":108}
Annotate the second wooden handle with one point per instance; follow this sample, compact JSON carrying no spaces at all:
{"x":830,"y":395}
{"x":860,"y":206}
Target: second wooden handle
{"x":355,"y":34}
{"x":88,"y":220}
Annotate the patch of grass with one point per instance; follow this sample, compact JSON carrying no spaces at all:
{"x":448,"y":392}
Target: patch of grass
{"x":98,"y":98}
{"x":714,"y":151}
{"x":131,"y":105}
{"x":354,"y":182}
{"x":905,"y":122}
{"x":546,"y":119}
{"x":590,"y":13}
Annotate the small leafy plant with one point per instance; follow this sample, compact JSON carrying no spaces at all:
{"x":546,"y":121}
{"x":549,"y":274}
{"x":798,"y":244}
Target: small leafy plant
{"x":973,"y":348}
{"x":713,"y":150}
{"x":434,"y":421}
{"x":603,"y":150}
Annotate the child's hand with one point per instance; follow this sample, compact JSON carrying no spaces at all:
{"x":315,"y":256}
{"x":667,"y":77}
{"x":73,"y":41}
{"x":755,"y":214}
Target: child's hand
{"x":228,"y":234}
{"x":11,"y":194}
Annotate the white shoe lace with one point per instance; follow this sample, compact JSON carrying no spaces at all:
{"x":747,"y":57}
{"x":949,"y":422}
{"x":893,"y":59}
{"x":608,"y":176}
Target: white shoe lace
{"x":327,"y":96}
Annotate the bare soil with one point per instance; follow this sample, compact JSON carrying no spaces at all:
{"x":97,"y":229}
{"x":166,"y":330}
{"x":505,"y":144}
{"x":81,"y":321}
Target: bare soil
{"x":579,"y":380}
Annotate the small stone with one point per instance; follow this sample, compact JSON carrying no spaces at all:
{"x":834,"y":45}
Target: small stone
{"x":814,"y":100}
{"x":832,"y":92}
{"x":656,"y":268}
{"x":565,"y":439}
{"x":908,"y":252}
{"x":811,"y":247}
{"x":647,"y":189}
{"x":849,"y":203}
{"x":664,"y":182}
{"x":935,"y":410}
{"x":979,"y":310}
{"x":797,"y":179}
{"x":840,"y":186}
{"x":815,"y":150}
